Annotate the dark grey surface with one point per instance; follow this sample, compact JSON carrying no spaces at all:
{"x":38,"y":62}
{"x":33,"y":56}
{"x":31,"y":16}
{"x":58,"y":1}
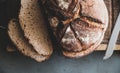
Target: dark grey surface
{"x":17,"y":63}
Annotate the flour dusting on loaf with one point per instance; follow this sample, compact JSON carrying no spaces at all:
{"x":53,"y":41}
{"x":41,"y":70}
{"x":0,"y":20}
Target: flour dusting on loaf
{"x":63,"y":4}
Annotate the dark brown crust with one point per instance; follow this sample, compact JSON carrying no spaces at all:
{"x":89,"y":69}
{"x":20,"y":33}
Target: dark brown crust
{"x":87,"y":23}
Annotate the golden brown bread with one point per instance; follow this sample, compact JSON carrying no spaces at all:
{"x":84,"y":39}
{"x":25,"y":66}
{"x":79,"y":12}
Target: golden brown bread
{"x":17,"y":36}
{"x":34,"y":26}
{"x":79,"y":25}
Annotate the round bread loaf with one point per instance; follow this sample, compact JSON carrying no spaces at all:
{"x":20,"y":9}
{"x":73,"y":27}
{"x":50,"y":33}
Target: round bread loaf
{"x":79,"y":25}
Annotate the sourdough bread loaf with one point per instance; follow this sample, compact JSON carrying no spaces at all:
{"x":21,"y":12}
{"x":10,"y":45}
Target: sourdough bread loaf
{"x":79,"y":25}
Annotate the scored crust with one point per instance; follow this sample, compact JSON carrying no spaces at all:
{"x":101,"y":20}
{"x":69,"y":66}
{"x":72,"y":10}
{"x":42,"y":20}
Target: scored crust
{"x":34,"y":26}
{"x":99,"y":14}
{"x":16,"y":35}
{"x":78,"y":54}
{"x":87,"y":19}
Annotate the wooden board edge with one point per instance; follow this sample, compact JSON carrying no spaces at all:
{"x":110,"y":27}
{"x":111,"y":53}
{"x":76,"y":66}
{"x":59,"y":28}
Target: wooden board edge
{"x":103,"y":47}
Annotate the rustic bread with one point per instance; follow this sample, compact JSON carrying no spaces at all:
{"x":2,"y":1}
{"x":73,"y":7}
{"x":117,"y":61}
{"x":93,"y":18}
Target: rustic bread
{"x":79,"y":25}
{"x":17,"y":37}
{"x":34,"y":26}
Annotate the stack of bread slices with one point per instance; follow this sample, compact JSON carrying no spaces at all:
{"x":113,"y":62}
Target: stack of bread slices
{"x":29,"y":33}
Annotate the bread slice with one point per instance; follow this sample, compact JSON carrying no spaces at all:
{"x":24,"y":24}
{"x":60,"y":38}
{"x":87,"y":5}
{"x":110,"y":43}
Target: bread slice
{"x":34,"y":26}
{"x":16,"y":35}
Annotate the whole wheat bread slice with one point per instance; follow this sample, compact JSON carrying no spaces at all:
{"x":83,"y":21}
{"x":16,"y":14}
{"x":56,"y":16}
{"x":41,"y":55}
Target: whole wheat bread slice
{"x":33,"y":24}
{"x":16,"y":35}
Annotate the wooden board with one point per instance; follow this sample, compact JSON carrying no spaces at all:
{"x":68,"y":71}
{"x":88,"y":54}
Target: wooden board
{"x":113,"y":7}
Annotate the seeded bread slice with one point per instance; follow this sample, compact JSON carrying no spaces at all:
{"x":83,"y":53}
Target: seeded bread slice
{"x":17,"y":37}
{"x":34,"y":26}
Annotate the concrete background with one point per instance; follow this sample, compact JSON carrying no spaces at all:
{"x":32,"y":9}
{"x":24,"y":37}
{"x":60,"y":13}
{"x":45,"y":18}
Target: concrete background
{"x":17,"y":63}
